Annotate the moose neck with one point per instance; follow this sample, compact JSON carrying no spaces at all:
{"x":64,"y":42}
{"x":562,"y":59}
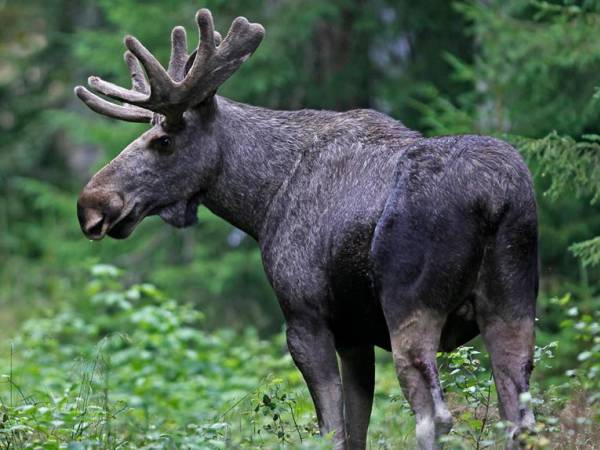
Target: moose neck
{"x":259,"y":150}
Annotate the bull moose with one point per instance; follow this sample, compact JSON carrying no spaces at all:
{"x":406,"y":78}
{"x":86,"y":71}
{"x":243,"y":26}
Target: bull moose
{"x":370,"y":234}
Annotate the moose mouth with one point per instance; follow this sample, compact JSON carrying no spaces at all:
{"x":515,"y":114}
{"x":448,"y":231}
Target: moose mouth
{"x":125,"y":225}
{"x":182,"y":213}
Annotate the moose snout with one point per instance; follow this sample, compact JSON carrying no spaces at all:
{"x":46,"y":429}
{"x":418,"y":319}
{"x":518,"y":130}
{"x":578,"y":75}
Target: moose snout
{"x":97,"y":211}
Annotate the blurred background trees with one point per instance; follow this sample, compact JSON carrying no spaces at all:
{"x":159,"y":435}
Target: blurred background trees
{"x":523,"y":70}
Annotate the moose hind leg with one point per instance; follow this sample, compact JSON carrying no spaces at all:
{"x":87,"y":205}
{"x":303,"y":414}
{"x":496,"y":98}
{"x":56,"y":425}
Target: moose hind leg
{"x":511,"y":351}
{"x":510,"y":343}
{"x":415,"y":341}
{"x":506,"y":314}
{"x":426,"y":253}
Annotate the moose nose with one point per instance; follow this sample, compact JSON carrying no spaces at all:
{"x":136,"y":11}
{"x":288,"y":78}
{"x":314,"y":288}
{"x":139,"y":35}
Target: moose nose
{"x":97,"y":211}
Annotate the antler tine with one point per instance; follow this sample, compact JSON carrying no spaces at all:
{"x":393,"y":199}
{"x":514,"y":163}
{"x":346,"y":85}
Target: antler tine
{"x":157,"y":94}
{"x":106,"y":108}
{"x":207,"y":30}
{"x":138,"y":80}
{"x":117,"y":92}
{"x":204,"y":53}
{"x":192,"y":56}
{"x":143,"y":93}
{"x":179,"y":54}
{"x":160,"y":82}
{"x":242,"y":39}
{"x":213,"y":64}
{"x":126,"y":111}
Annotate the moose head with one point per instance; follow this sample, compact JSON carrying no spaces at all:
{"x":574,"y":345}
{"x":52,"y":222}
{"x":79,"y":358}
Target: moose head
{"x":167,"y":168}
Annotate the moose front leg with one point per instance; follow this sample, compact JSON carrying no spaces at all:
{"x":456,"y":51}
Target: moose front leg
{"x":313,"y":350}
{"x":358,"y":379}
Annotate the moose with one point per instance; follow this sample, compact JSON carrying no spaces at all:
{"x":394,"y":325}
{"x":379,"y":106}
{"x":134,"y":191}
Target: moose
{"x":370,"y":234}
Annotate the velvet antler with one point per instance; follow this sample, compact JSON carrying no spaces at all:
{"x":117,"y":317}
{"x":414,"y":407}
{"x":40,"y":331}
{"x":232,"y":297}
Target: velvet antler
{"x":171,"y":92}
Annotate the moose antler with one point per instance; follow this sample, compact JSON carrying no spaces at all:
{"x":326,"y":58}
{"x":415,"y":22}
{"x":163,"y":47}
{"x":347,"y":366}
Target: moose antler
{"x":170,"y":92}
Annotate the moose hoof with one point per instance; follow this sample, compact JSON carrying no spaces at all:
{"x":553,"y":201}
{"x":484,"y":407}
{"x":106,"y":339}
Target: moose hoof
{"x":520,"y":438}
{"x":442,"y":428}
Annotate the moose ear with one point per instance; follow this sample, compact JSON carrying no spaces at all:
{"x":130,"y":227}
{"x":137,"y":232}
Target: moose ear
{"x":207,"y":108}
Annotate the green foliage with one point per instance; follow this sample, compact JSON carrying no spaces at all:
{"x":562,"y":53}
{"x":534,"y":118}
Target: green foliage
{"x":465,"y":377}
{"x":582,"y":325}
{"x":570,"y":166}
{"x":125,"y":366}
{"x":588,"y":251}
{"x":535,"y":66}
{"x":129,"y":367}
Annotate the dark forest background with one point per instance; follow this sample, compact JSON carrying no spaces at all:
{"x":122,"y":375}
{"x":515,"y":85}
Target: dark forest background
{"x":524,"y":70}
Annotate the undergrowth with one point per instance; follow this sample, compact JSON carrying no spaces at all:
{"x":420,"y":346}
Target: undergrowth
{"x":126,"y":367}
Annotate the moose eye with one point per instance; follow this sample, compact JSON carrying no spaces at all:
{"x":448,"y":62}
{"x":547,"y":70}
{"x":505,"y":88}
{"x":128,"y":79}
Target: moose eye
{"x":162,"y":143}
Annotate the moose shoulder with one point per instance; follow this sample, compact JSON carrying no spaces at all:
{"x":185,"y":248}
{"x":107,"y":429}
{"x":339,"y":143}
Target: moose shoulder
{"x":370,"y":233}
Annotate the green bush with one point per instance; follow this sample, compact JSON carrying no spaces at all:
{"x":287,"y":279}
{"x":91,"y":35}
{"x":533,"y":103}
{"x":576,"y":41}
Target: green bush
{"x":129,"y":367}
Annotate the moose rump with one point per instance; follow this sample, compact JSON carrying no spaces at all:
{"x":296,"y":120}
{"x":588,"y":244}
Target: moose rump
{"x":455,"y":254}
